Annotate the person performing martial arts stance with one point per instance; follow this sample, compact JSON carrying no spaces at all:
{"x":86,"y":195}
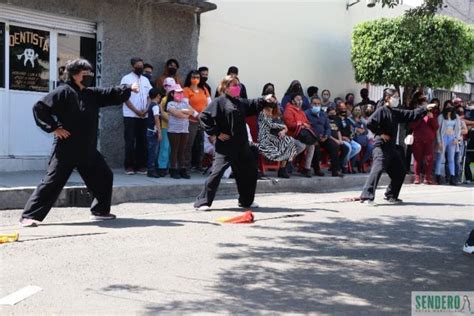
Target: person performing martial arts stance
{"x":71,"y":113}
{"x":225,"y":119}
{"x":387,"y":155}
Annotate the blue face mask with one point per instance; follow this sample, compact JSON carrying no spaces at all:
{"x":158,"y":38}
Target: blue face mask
{"x":315,"y":109}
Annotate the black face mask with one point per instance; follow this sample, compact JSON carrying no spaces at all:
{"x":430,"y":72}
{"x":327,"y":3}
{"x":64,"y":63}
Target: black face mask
{"x":87,"y":80}
{"x":172,"y":71}
{"x":332,"y":117}
{"x":138,"y":71}
{"x":343,"y":113}
{"x":368,"y":113}
{"x":147,"y":76}
{"x":204,"y":79}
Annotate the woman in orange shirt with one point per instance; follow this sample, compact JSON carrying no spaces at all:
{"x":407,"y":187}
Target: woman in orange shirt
{"x":198,"y":98}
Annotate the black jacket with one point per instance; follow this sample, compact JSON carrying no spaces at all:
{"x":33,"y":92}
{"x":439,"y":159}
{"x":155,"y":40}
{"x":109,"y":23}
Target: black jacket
{"x":77,"y":112}
{"x":227,"y":115}
{"x":385,"y":120}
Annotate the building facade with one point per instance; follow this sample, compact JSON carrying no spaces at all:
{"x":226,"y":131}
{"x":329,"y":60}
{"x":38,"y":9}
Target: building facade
{"x":38,"y":37}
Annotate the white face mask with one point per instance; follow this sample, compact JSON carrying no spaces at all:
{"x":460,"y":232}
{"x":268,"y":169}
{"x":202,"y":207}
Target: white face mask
{"x":394,"y":102}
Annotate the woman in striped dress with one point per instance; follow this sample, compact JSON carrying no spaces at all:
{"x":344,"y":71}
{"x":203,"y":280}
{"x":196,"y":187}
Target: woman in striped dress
{"x":273,"y":142}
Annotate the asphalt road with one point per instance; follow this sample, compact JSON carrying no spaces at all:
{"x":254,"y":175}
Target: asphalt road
{"x":337,"y":257}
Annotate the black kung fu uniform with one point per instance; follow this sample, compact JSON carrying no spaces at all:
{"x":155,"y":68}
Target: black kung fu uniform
{"x":77,"y":112}
{"x":388,"y":156}
{"x":227,"y":115}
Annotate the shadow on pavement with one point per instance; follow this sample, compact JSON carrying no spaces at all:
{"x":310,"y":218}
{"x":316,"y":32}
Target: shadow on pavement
{"x":122,"y":222}
{"x":338,"y":267}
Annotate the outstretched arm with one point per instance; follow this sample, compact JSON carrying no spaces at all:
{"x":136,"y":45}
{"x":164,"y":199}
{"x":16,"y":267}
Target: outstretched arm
{"x":114,"y":95}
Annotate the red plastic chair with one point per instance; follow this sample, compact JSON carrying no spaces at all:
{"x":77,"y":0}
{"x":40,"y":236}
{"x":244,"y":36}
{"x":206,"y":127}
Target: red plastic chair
{"x":265,"y":164}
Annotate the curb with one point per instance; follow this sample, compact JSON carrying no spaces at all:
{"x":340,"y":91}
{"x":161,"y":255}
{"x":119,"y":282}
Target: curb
{"x":78,"y":196}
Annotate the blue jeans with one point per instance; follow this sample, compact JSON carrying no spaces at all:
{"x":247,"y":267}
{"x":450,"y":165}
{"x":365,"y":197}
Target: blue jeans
{"x":152,"y":145}
{"x":450,"y":149}
{"x":354,"y":149}
{"x":164,"y":155}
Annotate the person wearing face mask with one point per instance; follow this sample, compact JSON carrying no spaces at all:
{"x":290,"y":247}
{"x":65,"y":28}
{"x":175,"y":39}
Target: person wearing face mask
{"x":71,"y":113}
{"x":294,"y":88}
{"x":447,"y":139}
{"x":178,"y":130}
{"x":387,"y":156}
{"x":362,"y":138}
{"x":326,"y":102}
{"x":296,"y":120}
{"x":135,"y":120}
{"x":346,"y":126}
{"x":364,"y":94}
{"x":322,"y":128}
{"x":204,"y":72}
{"x":148,"y":73}
{"x":460,"y":153}
{"x":224,"y":118}
{"x":273,"y":143}
{"x":198,"y":98}
{"x":349,"y":102}
{"x":170,"y":70}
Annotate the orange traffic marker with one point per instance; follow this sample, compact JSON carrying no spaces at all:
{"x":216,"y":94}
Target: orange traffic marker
{"x":246,"y":218}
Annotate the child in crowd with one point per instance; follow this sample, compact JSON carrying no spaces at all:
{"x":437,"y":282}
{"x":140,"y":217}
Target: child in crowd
{"x":153,"y":132}
{"x":178,"y":130}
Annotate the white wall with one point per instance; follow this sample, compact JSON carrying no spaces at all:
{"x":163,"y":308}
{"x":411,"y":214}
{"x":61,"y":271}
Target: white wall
{"x":279,"y":41}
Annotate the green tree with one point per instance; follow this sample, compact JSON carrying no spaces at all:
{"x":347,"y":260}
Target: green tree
{"x":427,"y":8}
{"x":433,"y":51}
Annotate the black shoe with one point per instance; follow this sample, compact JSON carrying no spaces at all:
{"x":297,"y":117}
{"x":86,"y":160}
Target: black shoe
{"x":184,"y":173}
{"x":452,"y":181}
{"x":345,"y":171}
{"x":393,"y":200}
{"x":162,"y":172}
{"x":306,"y":173}
{"x":318,"y":172}
{"x":152,"y":174}
{"x":438,"y":179}
{"x":174,"y":173}
{"x":337,"y":174}
{"x":282,"y":173}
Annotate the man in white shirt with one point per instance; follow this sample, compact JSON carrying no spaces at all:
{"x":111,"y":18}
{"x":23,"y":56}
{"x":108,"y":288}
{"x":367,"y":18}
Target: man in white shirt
{"x":134,"y":119}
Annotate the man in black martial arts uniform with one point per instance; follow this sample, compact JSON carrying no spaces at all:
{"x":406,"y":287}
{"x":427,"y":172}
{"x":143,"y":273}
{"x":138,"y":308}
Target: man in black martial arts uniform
{"x":71,"y":113}
{"x":387,"y":155}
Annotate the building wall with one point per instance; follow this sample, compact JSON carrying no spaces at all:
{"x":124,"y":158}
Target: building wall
{"x":155,"y":32}
{"x":279,"y":41}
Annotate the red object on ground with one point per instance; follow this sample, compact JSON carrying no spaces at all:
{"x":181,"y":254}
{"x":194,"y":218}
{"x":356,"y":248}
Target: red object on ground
{"x":246,"y":218}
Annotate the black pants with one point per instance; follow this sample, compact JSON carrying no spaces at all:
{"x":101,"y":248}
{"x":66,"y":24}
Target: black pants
{"x":135,"y":143}
{"x":333,"y":150}
{"x":198,"y":149}
{"x":244,"y":168}
{"x":96,"y":175}
{"x":390,"y":159}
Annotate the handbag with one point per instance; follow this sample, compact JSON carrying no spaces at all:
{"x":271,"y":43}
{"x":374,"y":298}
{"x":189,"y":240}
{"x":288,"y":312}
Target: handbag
{"x":306,"y":135}
{"x":409,"y":140}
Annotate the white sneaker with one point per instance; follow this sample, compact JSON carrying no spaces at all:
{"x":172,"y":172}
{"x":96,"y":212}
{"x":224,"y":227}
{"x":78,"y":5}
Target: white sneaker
{"x":102,"y":217}
{"x":29,"y":222}
{"x":253,"y":205}
{"x":468,"y":250}
{"x":368,"y":202}
{"x":203,"y":208}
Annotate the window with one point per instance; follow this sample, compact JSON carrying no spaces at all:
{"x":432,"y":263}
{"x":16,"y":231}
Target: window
{"x":29,"y":59}
{"x":71,"y":47}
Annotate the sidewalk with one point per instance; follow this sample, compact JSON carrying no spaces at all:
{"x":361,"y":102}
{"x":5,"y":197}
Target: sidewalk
{"x":16,"y":187}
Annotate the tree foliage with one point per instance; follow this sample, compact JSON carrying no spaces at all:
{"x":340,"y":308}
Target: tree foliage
{"x":433,"y":51}
{"x":428,"y":8}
